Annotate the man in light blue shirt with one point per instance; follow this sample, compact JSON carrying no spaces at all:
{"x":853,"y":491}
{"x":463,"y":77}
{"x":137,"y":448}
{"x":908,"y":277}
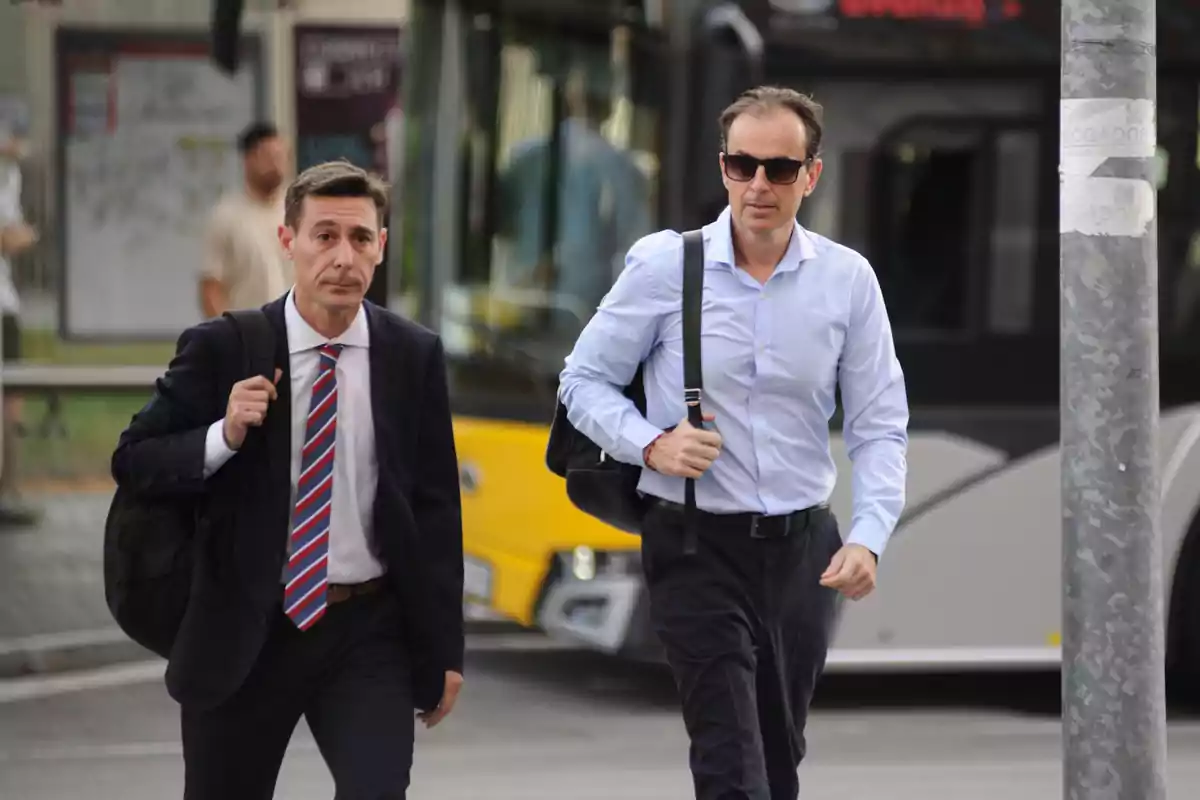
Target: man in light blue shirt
{"x":788,"y":318}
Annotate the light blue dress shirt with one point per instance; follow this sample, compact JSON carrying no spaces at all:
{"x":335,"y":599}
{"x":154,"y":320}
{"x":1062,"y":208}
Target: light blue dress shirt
{"x":773,"y":356}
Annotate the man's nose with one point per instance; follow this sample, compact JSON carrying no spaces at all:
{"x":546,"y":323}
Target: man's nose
{"x":344,"y":254}
{"x":759,"y":182}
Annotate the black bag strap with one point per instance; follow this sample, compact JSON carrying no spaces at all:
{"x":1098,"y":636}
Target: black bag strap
{"x":693,"y":381}
{"x":258,"y":342}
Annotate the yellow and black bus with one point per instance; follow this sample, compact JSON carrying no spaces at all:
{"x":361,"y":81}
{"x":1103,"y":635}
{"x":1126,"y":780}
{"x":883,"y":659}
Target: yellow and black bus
{"x":543,"y":137}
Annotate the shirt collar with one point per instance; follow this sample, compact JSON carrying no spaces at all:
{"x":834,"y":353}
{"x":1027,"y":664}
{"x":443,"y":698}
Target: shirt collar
{"x":301,"y":336}
{"x":718,"y":241}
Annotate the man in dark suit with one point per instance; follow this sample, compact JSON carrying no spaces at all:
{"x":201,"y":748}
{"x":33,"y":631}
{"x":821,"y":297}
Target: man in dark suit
{"x":328,"y":572}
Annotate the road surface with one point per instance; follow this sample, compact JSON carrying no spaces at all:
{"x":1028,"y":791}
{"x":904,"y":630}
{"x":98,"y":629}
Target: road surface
{"x":537,"y":724}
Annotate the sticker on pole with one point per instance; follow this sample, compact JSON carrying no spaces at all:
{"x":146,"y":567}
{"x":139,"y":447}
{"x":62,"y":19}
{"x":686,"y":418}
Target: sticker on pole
{"x":1106,"y":206}
{"x":1093,"y":131}
{"x":1103,"y":128}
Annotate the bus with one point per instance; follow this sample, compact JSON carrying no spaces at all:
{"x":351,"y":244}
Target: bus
{"x":543,"y":137}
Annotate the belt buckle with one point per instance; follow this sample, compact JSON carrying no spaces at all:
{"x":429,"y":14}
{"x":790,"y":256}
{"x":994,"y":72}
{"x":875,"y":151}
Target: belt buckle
{"x":756,"y":533}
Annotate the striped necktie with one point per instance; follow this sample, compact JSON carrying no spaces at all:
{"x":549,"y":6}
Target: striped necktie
{"x":307,"y":568}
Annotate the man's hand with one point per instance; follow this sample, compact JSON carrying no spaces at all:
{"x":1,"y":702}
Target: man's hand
{"x":454,"y":683}
{"x":17,"y":238}
{"x":214,"y":299}
{"x":851,"y":572}
{"x":248,"y":402}
{"x":685,"y":452}
{"x":12,"y":147}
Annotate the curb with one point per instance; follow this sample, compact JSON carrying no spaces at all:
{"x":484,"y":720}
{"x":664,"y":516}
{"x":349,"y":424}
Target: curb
{"x":65,"y":652}
{"x":88,"y":649}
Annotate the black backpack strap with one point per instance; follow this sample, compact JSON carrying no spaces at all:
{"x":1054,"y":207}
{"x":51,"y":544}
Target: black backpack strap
{"x":258,"y":342}
{"x":693,"y":382}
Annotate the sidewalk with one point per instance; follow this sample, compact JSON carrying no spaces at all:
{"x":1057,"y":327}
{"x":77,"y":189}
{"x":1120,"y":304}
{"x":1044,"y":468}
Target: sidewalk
{"x":53,"y":616}
{"x":52,"y":610}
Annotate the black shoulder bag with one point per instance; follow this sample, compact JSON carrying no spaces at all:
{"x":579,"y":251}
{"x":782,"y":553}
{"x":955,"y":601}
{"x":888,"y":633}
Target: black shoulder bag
{"x":148,"y":540}
{"x":603,"y":487}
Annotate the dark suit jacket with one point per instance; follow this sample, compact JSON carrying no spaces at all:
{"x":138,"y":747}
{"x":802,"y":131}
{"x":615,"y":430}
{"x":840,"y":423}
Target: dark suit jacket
{"x":244,"y":507}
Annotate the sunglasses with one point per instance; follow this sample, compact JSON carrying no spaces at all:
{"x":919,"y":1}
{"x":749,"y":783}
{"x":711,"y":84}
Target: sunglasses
{"x":740,"y":167}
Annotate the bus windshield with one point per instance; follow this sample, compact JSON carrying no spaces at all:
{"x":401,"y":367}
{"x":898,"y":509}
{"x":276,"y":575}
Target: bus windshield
{"x":521,"y":199}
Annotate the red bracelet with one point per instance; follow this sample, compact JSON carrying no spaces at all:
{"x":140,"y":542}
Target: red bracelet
{"x":646,"y":450}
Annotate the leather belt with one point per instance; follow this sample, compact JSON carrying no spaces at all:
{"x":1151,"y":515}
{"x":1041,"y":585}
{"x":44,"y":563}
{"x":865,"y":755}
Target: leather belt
{"x":754,"y":525}
{"x":340,"y":592}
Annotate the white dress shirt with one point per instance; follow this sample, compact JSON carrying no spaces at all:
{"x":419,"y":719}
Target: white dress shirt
{"x":355,"y":469}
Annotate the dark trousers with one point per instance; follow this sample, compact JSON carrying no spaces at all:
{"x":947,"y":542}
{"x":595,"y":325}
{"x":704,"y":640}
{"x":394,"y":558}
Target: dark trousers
{"x":348,"y":676}
{"x":746,"y":625}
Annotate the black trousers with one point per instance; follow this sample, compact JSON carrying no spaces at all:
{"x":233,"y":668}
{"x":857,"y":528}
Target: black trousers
{"x":746,"y":626}
{"x":348,"y":676}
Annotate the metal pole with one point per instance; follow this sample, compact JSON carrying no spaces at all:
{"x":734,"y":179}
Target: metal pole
{"x":680,"y":28}
{"x":1114,"y":707}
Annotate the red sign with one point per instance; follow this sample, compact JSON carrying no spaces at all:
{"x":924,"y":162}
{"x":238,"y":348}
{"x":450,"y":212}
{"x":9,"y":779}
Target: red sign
{"x":972,"y":12}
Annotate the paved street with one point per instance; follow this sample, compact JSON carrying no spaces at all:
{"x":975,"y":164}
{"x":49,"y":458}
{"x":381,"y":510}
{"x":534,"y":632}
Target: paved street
{"x":534,"y":723}
{"x":53,"y":614}
{"x":542,"y":724}
{"x":52,"y":582}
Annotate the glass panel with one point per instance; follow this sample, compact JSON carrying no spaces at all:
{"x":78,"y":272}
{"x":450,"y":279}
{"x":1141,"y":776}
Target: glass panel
{"x":1179,"y":217}
{"x":922,"y":226}
{"x":558,"y":178}
{"x":924,"y":180}
{"x":1014,"y":233}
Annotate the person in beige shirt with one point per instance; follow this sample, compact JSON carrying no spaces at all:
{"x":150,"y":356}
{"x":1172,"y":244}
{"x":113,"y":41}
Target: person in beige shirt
{"x":244,"y":264}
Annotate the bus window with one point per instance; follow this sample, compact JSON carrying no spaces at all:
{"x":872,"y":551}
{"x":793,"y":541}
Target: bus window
{"x":555,"y":178}
{"x":1179,"y":216}
{"x":1013,"y":239}
{"x":936,"y":184}
{"x":923,"y":212}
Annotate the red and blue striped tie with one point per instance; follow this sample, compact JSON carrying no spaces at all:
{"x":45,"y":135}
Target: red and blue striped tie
{"x":308,"y":565}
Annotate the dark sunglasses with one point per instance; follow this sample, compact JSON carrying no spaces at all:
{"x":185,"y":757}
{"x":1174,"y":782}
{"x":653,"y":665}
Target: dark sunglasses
{"x":740,"y":167}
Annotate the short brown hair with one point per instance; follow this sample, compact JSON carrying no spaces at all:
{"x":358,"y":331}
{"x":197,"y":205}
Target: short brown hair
{"x":334,"y":179}
{"x":768,"y":98}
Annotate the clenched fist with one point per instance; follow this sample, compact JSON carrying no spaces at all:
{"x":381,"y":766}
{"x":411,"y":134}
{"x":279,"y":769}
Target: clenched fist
{"x":851,"y":572}
{"x":685,"y":452}
{"x":248,"y":403}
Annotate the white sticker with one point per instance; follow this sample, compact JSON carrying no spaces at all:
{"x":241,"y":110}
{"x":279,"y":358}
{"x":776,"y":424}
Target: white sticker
{"x":1107,"y":128}
{"x":1080,"y":166}
{"x":1106,"y":206}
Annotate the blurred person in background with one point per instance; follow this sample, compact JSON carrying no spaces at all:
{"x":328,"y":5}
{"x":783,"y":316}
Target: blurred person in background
{"x":601,"y":202}
{"x":244,"y":264}
{"x":16,"y":237}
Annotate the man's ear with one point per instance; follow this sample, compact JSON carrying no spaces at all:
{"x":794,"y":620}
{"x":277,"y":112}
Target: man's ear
{"x":287,"y":238}
{"x":383,"y":238}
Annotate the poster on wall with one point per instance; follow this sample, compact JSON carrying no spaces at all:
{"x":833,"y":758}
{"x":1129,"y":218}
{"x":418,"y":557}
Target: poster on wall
{"x":147,"y":143}
{"x":348,"y":95}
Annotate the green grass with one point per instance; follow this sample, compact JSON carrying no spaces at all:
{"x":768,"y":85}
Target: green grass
{"x":44,"y":347}
{"x":72,"y":446}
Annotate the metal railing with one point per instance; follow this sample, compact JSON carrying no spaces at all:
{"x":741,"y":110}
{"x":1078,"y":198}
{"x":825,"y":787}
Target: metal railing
{"x":54,"y":377}
{"x":55,"y":426}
